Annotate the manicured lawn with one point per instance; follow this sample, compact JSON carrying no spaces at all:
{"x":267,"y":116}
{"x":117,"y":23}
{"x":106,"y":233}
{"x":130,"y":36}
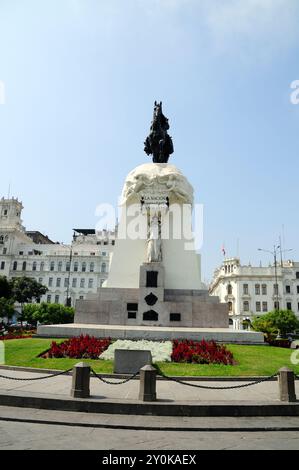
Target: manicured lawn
{"x":252,"y":360}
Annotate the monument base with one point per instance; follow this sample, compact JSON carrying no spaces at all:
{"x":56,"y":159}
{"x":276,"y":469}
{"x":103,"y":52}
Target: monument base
{"x":158,"y":333}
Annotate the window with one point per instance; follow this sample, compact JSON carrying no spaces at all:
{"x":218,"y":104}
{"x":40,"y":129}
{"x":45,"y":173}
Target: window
{"x":106,"y":242}
{"x":42,"y":266}
{"x":40,"y":280}
{"x":15,"y":266}
{"x":288,"y":289}
{"x":34,"y":266}
{"x":52,"y":266}
{"x":104,"y":253}
{"x":265,"y":306}
{"x":258,"y":306}
{"x":56,"y":299}
{"x":2,"y":265}
{"x":4,"y":251}
{"x":83,"y":267}
{"x":82,"y":282}
{"x":151,"y":278}
{"x":257,"y":289}
{"x":91,"y":267}
{"x":81,"y":297}
{"x":90,"y":283}
{"x":131,"y":315}
{"x":21,"y":252}
{"x":297,"y":289}
{"x":246,"y":306}
{"x":276,"y":305}
{"x":76,"y":266}
{"x":230,"y":306}
{"x":5,"y":212}
{"x":175,"y":317}
{"x":67,"y":266}
{"x":132,"y":306}
{"x":59,"y":266}
{"x":264,"y":289}
{"x":289,"y":305}
{"x":50,"y":283}
{"x":24,"y":266}
{"x":245,"y":289}
{"x":229,"y":289}
{"x":49,"y":298}
{"x":92,"y":253}
{"x":66,"y":282}
{"x":30,"y":253}
{"x":275,"y":289}
{"x":113,"y":242}
{"x":58,"y":282}
{"x":298,"y":306}
{"x":103,"y":267}
{"x":151,"y":315}
{"x":297,"y":275}
{"x":74,"y":282}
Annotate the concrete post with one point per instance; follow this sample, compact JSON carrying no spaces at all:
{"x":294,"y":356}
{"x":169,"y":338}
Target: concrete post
{"x":147,"y":387}
{"x":286,"y":381}
{"x":81,"y":380}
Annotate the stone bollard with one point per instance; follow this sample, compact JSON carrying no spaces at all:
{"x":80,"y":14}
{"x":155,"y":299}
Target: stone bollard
{"x":147,"y":387}
{"x":286,"y":381}
{"x":81,"y":380}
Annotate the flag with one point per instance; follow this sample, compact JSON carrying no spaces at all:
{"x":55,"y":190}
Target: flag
{"x":223,"y":250}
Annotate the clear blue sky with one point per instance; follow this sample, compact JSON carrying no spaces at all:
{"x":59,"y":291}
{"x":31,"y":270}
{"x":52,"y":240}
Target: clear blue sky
{"x":80,"y":80}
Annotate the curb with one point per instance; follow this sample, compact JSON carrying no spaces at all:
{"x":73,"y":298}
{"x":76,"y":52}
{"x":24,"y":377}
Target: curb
{"x":158,"y":408}
{"x":154,"y":428}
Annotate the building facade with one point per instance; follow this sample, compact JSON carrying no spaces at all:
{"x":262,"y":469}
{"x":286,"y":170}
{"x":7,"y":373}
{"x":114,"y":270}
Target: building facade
{"x":68,"y":271}
{"x":254,"y":290}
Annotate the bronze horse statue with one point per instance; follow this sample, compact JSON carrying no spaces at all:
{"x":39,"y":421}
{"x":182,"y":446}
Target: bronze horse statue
{"x":159,"y":143}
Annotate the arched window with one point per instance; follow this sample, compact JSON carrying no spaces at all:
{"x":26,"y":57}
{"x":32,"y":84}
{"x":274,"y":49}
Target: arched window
{"x":15,"y":266}
{"x":103,"y":267}
{"x":230,"y":306}
{"x":229,"y":289}
{"x":76,"y":266}
{"x":24,"y":265}
{"x":83,"y":267}
{"x":34,"y":266}
{"x":91,"y":267}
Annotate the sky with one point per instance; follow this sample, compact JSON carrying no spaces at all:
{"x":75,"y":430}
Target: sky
{"x":78,"y":79}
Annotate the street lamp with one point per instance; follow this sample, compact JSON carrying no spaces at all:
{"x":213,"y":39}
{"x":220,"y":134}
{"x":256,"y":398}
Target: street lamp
{"x":274,"y":253}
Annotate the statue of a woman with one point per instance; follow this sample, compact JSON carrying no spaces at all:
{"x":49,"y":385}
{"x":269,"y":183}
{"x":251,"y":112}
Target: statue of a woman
{"x":154,"y":252}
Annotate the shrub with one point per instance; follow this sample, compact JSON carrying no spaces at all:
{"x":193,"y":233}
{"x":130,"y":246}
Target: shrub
{"x":16,"y":334}
{"x":201,"y":352}
{"x":82,"y":347}
{"x":48,"y":314}
{"x":277,"y":321}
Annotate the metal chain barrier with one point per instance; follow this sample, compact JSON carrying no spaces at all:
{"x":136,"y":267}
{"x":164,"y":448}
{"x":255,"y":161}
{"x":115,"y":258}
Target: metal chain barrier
{"x":114,"y":383}
{"x":36,"y":378}
{"x":257,"y":381}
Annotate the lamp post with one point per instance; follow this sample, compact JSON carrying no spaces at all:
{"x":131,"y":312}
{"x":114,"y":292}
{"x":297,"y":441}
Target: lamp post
{"x":274,"y":254}
{"x":68,"y":302}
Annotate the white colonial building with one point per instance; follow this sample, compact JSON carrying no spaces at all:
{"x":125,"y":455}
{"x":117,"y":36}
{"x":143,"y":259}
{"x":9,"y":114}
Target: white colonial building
{"x":68,"y":271}
{"x":253,"y":290}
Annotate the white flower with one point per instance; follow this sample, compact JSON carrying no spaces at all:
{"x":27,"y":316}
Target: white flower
{"x":161,"y":350}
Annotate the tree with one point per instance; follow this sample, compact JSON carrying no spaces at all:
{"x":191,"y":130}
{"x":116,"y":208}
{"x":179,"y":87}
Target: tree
{"x":5,"y":288}
{"x":25,"y":289}
{"x":48,"y":314}
{"x":6,"y":308}
{"x":277,"y":321}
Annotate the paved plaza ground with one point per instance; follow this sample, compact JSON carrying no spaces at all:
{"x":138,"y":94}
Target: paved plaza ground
{"x":28,"y":428}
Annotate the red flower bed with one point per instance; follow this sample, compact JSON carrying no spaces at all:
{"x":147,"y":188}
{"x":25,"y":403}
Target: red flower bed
{"x":18,"y":334}
{"x":201,"y":352}
{"x":82,"y":347}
